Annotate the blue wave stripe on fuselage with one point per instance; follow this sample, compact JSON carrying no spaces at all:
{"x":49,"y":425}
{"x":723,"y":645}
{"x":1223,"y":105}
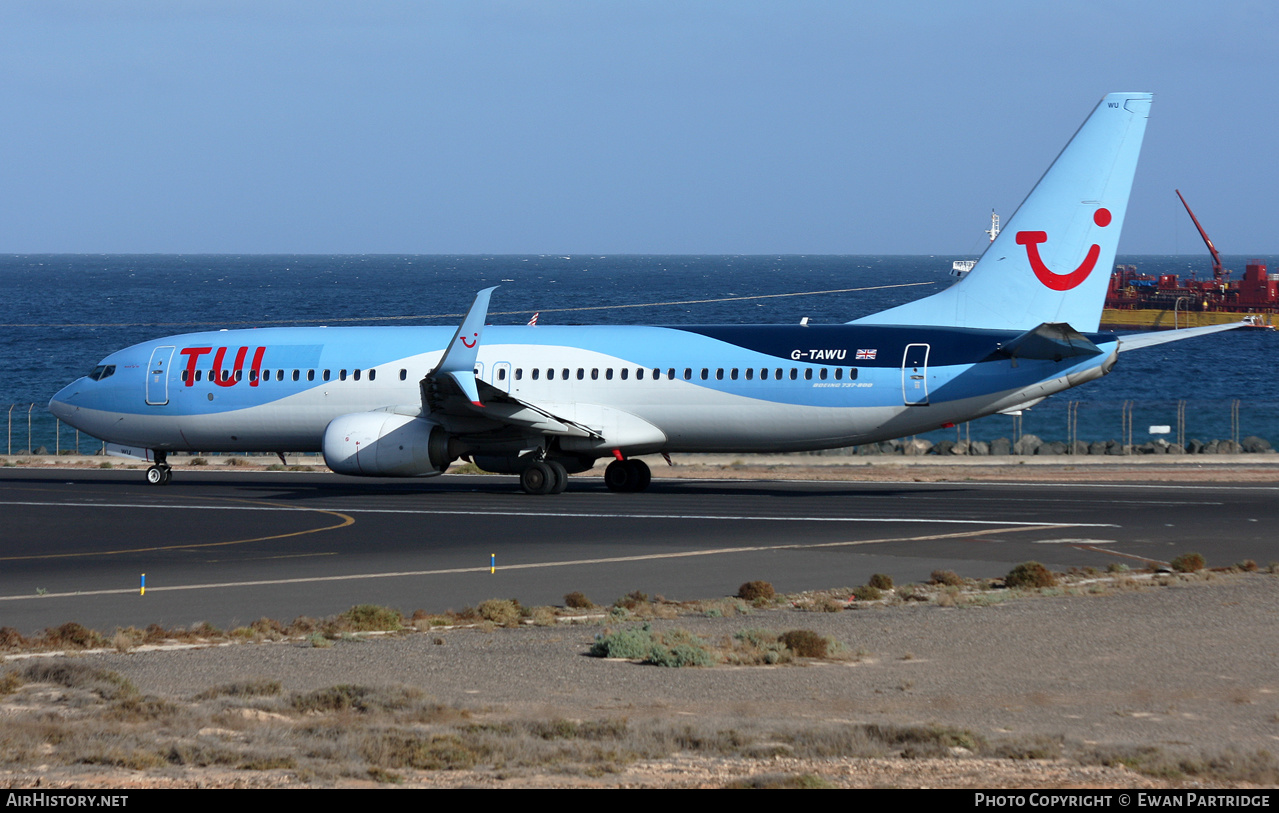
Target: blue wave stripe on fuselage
{"x":951,"y":352}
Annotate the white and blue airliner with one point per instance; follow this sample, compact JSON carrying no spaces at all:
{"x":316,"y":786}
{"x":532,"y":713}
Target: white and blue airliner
{"x":544,"y":401}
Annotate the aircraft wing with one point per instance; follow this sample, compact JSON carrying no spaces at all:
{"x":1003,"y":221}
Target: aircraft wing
{"x":1132,"y":341}
{"x":453,"y":397}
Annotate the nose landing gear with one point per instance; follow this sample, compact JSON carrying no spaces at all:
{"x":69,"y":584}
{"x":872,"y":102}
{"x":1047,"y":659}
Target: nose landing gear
{"x":160,"y":473}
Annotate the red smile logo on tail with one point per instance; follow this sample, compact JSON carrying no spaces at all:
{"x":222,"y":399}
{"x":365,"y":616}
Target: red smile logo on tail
{"x":1061,"y":282}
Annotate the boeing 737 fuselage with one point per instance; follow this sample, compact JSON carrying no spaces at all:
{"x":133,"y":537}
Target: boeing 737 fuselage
{"x":546,"y":401}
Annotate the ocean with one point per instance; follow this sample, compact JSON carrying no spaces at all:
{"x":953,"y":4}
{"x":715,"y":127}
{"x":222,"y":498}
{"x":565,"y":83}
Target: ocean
{"x":65,"y":312}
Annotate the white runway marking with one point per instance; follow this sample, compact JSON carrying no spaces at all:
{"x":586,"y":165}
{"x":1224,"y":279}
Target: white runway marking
{"x":538,"y":565}
{"x":566,"y":515}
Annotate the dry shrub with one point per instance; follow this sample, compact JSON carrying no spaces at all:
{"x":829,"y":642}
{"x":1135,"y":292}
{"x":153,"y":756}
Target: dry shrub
{"x":370,"y":618}
{"x":503,"y":612}
{"x":632,"y":600}
{"x":868,"y":592}
{"x":1188,"y":563}
{"x":948,"y":578}
{"x":71,"y":636}
{"x":806,"y":643}
{"x":756,"y":591}
{"x":1030,"y":574}
{"x":577,"y":601}
{"x":881,"y":581}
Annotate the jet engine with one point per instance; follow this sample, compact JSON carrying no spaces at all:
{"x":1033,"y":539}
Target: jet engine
{"x":383,"y":444}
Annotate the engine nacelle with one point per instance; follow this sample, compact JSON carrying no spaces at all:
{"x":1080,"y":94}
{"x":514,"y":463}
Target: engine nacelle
{"x":383,"y":444}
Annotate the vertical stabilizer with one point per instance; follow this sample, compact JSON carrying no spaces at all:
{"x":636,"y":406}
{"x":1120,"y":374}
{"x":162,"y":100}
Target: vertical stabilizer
{"x":1052,"y":261}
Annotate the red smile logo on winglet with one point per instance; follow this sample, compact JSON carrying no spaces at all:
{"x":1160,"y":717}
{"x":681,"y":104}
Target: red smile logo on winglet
{"x":1061,"y":282}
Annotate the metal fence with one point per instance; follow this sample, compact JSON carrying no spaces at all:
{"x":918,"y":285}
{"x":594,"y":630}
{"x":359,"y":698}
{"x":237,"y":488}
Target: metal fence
{"x":1131,"y":423}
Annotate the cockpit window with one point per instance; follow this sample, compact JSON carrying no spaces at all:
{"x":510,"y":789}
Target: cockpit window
{"x":102,"y":371}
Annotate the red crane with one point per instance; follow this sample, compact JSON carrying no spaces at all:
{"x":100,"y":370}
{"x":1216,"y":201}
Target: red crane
{"x":1217,"y":273}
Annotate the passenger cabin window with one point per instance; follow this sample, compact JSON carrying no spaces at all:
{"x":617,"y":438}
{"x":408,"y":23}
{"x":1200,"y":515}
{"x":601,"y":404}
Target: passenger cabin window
{"x":326,"y":375}
{"x":372,"y":374}
{"x":297,"y":375}
{"x":404,"y":374}
{"x":356,"y":375}
{"x":310,"y":375}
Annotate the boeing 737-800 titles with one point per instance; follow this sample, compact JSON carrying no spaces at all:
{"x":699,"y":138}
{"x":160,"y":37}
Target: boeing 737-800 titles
{"x":545,"y":401}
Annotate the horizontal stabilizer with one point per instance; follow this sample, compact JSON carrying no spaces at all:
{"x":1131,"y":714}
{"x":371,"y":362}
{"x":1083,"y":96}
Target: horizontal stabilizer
{"x":1051,"y":341}
{"x":1133,"y":341}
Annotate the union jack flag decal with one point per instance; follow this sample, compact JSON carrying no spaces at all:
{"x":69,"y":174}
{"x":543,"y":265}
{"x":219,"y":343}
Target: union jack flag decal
{"x":866,"y":354}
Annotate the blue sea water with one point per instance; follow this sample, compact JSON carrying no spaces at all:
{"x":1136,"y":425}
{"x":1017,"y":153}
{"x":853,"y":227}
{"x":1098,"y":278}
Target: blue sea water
{"x":65,"y":312}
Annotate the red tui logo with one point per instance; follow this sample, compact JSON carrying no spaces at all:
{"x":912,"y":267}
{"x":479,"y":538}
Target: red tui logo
{"x":1061,"y":282}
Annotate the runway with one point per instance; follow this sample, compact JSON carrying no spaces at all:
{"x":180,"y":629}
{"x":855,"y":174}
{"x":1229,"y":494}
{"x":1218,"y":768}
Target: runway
{"x":228,"y":547}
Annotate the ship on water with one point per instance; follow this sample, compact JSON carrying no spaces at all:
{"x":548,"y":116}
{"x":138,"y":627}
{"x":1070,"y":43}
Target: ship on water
{"x":1162,"y":301}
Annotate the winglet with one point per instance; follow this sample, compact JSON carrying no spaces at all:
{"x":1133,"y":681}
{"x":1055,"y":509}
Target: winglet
{"x":460,"y":356}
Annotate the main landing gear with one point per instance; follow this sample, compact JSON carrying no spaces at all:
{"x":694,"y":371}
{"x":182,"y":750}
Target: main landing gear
{"x":544,"y":477}
{"x":160,"y":473}
{"x":627,"y":475}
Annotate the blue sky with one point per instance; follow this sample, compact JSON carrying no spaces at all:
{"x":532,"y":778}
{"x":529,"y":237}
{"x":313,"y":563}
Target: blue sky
{"x":614,"y":127}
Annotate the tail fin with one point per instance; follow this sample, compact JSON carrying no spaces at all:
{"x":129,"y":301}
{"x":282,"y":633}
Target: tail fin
{"x":1052,"y":261}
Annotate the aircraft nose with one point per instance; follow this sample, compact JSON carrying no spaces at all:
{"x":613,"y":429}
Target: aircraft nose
{"x":61,"y":404}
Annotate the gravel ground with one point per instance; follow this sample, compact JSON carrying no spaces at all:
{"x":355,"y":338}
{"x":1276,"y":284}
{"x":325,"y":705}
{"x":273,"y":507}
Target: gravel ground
{"x":1191,"y":668}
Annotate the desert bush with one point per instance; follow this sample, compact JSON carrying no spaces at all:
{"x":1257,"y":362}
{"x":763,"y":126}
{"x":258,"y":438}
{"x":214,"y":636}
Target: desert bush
{"x":868,"y":592}
{"x":678,"y":648}
{"x":806,"y":643}
{"x":881,"y":581}
{"x":371,"y":617}
{"x":71,"y":636}
{"x":756,"y":647}
{"x":504,"y":612}
{"x":577,"y":601}
{"x":634,"y":643}
{"x":632,"y":600}
{"x":242,"y":689}
{"x":1188,"y":563}
{"x":756,"y":591}
{"x":948,"y":578}
{"x":1030,"y":574}
{"x":10,"y":638}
